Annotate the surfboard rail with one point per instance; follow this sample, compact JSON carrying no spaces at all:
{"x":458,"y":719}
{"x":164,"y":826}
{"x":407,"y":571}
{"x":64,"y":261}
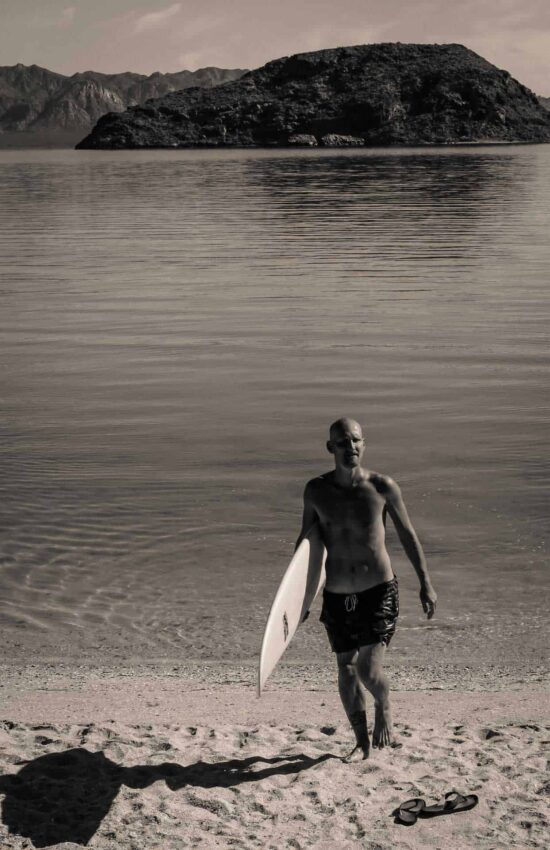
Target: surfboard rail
{"x":301,"y":583}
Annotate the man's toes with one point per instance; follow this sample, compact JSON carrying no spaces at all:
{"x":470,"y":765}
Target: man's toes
{"x":382,"y":739}
{"x":357,"y":754}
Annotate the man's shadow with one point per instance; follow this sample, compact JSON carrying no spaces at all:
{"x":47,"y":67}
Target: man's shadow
{"x":65,"y":796}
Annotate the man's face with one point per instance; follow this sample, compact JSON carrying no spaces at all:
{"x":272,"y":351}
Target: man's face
{"x":347,"y":445}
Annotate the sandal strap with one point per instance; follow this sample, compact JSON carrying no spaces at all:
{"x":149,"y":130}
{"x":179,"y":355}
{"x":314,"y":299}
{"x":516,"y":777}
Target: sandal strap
{"x":454,"y":799}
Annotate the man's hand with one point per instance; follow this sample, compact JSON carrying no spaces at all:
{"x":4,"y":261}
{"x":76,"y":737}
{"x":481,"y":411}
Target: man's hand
{"x":428,"y":598}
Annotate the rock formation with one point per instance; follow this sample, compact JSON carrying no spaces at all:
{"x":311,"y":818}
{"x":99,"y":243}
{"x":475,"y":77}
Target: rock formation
{"x":379,"y":94}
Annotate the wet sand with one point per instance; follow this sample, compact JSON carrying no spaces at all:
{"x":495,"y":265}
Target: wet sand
{"x":176,"y":757}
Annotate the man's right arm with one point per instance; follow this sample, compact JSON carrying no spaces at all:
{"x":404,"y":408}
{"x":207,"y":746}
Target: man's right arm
{"x":309,"y":515}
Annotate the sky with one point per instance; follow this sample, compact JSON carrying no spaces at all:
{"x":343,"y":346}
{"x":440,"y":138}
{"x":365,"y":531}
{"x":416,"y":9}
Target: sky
{"x":161,"y":35}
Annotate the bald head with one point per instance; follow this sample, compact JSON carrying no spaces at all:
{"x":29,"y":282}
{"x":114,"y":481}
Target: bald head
{"x":343,"y":426}
{"x":346,"y":443}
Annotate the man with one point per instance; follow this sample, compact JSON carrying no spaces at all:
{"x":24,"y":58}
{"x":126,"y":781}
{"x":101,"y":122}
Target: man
{"x":360,"y":599}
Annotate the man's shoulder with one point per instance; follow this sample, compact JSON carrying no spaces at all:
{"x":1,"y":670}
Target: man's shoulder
{"x":384,"y":484}
{"x":319,"y":482}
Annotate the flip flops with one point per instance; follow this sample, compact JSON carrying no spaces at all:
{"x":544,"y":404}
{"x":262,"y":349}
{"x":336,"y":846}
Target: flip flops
{"x":409,"y":811}
{"x":454,"y":802}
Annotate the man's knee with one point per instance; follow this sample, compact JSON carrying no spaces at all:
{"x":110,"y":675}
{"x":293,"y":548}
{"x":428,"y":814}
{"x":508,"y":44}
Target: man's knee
{"x":347,"y":664}
{"x":347,"y":671}
{"x":369,"y":666}
{"x":373,"y":680}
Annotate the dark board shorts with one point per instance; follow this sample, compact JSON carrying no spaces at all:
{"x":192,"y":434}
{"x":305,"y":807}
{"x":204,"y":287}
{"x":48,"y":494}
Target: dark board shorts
{"x":359,"y":619}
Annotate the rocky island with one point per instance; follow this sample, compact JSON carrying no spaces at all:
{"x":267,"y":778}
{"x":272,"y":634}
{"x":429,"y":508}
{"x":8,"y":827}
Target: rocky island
{"x":377,"y":94}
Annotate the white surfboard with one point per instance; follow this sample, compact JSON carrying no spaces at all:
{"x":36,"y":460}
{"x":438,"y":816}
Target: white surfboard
{"x":302,"y":581}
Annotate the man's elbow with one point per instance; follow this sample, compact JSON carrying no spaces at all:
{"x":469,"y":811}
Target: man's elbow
{"x":407,"y":536}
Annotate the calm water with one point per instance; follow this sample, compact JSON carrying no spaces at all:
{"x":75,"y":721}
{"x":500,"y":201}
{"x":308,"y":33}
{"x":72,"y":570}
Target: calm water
{"x":178,"y":330}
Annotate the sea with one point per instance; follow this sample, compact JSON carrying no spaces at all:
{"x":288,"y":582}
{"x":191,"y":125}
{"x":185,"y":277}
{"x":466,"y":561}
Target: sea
{"x":178,"y":330}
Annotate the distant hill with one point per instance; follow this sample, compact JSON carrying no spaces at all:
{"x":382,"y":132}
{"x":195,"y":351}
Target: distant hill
{"x":405,"y":94}
{"x":545,"y":101}
{"x":36,"y":101}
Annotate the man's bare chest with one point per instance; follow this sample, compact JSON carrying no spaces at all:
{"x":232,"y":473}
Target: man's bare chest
{"x":342,"y":507}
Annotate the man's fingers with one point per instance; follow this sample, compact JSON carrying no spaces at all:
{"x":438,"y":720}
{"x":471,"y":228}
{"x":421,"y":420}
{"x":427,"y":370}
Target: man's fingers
{"x":428,"y":606}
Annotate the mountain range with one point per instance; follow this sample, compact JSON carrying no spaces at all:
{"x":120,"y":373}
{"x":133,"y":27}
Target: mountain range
{"x":36,"y":101}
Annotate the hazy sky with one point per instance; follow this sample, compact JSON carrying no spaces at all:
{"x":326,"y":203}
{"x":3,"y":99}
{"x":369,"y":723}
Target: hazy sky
{"x":161,"y":35}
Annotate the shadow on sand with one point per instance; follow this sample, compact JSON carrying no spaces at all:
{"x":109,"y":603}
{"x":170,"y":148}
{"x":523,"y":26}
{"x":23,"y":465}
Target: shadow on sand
{"x":65,"y":796}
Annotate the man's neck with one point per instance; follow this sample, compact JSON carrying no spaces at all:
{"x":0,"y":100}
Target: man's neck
{"x":348,"y":478}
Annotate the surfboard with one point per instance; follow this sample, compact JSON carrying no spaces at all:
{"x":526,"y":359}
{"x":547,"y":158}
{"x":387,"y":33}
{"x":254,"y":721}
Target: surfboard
{"x":302,"y":581}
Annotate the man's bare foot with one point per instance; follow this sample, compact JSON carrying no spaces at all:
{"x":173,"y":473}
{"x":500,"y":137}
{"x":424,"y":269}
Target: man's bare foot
{"x":359,"y":753}
{"x":382,"y":734}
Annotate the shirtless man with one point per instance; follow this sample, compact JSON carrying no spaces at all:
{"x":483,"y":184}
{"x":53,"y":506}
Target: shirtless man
{"x":360,"y":599}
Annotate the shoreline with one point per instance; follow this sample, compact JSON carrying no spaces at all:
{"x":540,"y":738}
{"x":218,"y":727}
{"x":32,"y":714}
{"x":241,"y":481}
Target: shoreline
{"x":227,"y":694}
{"x":37,"y":144}
{"x":289,"y":674}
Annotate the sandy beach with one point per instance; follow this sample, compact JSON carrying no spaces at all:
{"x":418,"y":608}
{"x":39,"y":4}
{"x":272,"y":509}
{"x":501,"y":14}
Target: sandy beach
{"x":161,"y":756}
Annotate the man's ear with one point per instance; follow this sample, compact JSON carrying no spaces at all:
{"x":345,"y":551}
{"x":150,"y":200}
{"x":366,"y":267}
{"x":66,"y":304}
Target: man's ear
{"x":330,"y":448}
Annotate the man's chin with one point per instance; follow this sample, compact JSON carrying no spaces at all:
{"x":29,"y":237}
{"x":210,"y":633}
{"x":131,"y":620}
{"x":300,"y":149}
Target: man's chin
{"x":351,"y":462}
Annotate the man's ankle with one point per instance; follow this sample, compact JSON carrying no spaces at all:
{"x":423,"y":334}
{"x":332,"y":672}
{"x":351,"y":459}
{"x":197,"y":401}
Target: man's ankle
{"x":358,"y":720}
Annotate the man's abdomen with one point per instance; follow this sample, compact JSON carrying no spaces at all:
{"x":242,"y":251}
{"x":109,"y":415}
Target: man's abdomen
{"x":356,"y":569}
{"x":357,"y":558}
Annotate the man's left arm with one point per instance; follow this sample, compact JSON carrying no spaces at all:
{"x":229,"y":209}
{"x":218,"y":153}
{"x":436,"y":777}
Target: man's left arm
{"x":411,"y":544}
